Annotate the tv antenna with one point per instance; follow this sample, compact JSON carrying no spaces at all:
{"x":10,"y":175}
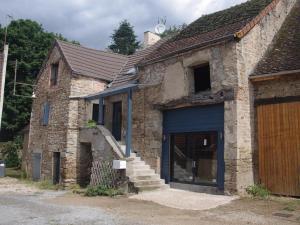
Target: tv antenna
{"x":161,"y":26}
{"x":21,"y":83}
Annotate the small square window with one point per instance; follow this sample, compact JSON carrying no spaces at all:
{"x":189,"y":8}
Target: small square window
{"x":202,"y":78}
{"x":54,"y":74}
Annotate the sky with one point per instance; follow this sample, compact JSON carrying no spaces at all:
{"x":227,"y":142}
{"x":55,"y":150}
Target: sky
{"x":91,"y":22}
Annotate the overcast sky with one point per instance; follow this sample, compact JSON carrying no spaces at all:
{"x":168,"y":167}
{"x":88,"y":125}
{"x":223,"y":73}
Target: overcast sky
{"x":91,"y":22}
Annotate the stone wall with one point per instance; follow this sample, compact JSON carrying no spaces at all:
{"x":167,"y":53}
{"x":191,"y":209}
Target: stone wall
{"x":249,"y":51}
{"x":50,"y":138}
{"x":67,"y":114}
{"x":230,"y":64}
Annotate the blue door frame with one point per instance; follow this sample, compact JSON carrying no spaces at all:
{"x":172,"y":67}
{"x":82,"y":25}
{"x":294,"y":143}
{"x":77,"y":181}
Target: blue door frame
{"x":189,"y":120}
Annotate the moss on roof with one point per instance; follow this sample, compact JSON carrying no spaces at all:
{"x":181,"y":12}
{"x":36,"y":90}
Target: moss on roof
{"x":242,"y":12}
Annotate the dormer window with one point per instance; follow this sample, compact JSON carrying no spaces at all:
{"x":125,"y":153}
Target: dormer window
{"x":202,"y":78}
{"x":54,"y":74}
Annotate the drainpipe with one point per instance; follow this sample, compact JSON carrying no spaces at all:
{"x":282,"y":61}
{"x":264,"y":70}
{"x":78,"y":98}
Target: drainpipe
{"x":129,"y":122}
{"x":100,"y":116}
{"x":3,"y":73}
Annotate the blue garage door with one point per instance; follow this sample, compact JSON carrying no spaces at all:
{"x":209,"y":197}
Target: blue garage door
{"x":184,"y":128}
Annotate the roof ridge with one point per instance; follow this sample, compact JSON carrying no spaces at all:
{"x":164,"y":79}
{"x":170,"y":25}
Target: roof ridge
{"x":88,"y":48}
{"x":256,"y":19}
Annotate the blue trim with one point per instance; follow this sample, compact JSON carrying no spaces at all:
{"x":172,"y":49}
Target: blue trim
{"x":101,"y":113}
{"x":112,"y":91}
{"x":129,"y":123}
{"x":189,"y":120}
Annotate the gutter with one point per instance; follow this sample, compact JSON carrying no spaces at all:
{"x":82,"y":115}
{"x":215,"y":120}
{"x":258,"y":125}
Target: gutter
{"x":273,"y":76}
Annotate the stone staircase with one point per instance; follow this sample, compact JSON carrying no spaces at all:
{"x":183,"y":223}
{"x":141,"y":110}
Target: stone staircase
{"x":142,"y":176}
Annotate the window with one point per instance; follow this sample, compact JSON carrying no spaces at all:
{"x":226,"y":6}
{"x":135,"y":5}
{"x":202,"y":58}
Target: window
{"x":95,"y":113}
{"x":54,"y":74}
{"x":202,"y":78}
{"x":45,"y":114}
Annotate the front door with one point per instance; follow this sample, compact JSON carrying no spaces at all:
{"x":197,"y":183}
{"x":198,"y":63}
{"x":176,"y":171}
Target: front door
{"x":194,"y":158}
{"x":117,"y":120}
{"x":56,"y":167}
{"x":36,"y":166}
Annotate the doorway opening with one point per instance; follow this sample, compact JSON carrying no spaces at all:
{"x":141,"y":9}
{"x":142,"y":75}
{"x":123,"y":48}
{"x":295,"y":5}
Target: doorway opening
{"x":85,"y":164}
{"x":56,"y":167}
{"x":117,"y":120}
{"x":194,"y":158}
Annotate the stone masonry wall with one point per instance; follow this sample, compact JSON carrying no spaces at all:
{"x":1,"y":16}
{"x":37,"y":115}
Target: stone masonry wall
{"x":249,"y":51}
{"x":50,"y":138}
{"x":66,"y":115}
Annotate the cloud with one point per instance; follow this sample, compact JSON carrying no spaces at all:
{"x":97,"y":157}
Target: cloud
{"x":91,"y":22}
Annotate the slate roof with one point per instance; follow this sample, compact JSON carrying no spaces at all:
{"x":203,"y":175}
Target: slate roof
{"x":124,"y":77}
{"x":231,"y":23}
{"x":90,"y":62}
{"x":284,"y":53}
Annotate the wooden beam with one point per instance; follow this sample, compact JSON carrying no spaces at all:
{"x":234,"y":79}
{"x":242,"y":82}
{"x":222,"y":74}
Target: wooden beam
{"x":129,"y":123}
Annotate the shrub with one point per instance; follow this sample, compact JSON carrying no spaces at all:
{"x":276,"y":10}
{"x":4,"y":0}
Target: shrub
{"x":101,"y":190}
{"x":11,"y":152}
{"x":91,"y":124}
{"x":258,"y":191}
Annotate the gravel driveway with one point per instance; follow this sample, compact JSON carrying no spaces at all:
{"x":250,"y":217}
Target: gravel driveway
{"x":25,"y":205}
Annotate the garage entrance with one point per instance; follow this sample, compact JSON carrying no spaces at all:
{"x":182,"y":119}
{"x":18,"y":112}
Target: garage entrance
{"x":193,"y":146}
{"x":279,"y":147}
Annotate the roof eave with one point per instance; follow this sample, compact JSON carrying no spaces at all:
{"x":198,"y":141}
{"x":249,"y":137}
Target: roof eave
{"x":273,"y":76}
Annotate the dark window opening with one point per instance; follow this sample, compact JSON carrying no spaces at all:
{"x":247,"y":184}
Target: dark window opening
{"x":202,"y":78}
{"x":95,"y":113}
{"x":54,"y":74}
{"x":56,"y":167}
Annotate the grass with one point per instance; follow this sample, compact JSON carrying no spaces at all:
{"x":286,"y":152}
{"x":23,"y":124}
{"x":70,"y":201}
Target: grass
{"x":14,"y":172}
{"x":101,"y":190}
{"x":258,"y":191}
{"x":292,"y":205}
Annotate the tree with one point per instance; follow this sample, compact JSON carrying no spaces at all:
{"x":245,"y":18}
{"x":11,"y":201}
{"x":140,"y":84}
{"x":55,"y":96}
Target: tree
{"x":29,"y":44}
{"x":124,"y":40}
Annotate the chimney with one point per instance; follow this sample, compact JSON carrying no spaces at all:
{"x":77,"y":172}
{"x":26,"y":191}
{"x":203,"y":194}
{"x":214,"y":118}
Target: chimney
{"x":150,"y":39}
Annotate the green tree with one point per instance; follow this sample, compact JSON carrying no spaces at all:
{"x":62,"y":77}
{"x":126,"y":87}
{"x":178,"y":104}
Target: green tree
{"x":124,"y":40}
{"x":29,"y":44}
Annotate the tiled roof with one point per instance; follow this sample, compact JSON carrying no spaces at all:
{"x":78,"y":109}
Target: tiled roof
{"x":124,"y":77}
{"x":231,"y":23}
{"x":90,"y":62}
{"x":284,"y":53}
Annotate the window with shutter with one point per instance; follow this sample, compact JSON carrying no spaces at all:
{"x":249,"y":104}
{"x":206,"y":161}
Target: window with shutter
{"x":46,"y":111}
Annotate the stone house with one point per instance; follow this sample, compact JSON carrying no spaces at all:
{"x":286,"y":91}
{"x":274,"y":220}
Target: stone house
{"x":187,"y":108}
{"x":69,"y":72}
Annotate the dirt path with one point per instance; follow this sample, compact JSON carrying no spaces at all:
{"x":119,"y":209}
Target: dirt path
{"x":23,"y":205}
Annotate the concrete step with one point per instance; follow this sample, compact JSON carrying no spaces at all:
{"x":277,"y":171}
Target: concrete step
{"x":143,"y":172}
{"x":151,"y":187}
{"x":146,"y":177}
{"x":140,"y":167}
{"x":147,"y":182}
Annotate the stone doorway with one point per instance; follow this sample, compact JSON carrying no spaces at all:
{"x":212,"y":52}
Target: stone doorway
{"x":85,"y":164}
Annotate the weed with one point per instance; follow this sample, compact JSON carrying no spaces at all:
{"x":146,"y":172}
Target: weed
{"x":258,"y":191}
{"x":91,"y":124}
{"x":101,"y":190}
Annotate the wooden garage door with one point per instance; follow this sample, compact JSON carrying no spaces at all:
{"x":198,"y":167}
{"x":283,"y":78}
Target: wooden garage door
{"x":279,"y":147}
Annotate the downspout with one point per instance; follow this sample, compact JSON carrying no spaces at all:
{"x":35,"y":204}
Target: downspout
{"x":101,"y":113}
{"x":5,"y":55}
{"x":129,"y":123}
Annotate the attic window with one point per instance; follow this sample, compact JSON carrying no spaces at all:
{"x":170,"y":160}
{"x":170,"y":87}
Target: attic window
{"x":54,"y":74}
{"x":202,"y":78}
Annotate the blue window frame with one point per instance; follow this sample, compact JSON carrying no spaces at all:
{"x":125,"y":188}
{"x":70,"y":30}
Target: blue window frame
{"x":46,"y":112}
